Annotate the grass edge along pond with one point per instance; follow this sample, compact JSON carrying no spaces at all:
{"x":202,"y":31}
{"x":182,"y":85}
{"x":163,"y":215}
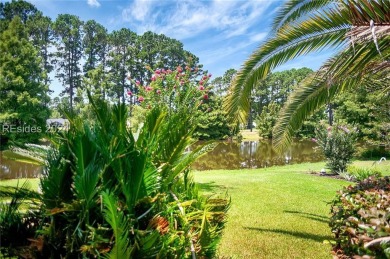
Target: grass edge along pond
{"x":276,"y":212}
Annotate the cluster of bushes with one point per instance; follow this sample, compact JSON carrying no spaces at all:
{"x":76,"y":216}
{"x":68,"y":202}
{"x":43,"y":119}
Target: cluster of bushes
{"x":360,"y":219}
{"x":105,"y":193}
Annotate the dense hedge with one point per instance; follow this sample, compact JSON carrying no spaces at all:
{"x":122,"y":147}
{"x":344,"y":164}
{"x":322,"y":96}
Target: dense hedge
{"x":360,"y":219}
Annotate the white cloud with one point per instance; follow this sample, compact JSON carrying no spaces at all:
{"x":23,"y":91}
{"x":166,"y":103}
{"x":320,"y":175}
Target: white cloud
{"x":93,"y":3}
{"x":185,"y":19}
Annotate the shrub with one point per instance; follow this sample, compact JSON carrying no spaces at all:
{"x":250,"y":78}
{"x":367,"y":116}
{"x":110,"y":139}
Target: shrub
{"x":338,"y":145}
{"x":360,"y":216}
{"x":107,"y":194}
{"x":361,"y":173}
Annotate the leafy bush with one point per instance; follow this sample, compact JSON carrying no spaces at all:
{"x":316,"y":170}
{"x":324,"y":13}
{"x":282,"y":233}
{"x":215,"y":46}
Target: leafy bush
{"x":338,"y":145}
{"x":361,"y":219}
{"x":107,"y":194}
{"x":361,"y":173}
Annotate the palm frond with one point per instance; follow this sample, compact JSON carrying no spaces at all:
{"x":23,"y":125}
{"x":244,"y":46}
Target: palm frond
{"x":295,"y":10}
{"x":338,"y":74}
{"x":321,"y":30}
{"x":120,"y":226}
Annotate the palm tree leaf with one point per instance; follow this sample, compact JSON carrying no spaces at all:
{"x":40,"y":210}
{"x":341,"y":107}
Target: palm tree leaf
{"x":324,"y":29}
{"x":296,"y":9}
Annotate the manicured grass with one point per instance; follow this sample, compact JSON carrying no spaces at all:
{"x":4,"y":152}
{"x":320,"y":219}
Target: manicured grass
{"x":277,"y":212}
{"x":32,"y":183}
{"x":247,"y":135}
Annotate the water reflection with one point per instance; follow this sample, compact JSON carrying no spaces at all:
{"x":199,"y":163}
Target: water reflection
{"x":227,"y":155}
{"x":256,"y":154}
{"x":11,"y":169}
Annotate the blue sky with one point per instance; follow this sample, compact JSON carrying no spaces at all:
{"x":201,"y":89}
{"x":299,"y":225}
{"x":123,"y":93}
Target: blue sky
{"x":222,"y":33}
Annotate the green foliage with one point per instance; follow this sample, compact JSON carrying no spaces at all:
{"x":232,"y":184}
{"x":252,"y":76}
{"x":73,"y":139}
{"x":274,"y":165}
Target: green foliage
{"x":23,"y":93}
{"x":338,"y":145}
{"x":213,"y":122}
{"x":367,"y":108}
{"x":303,"y":27}
{"x":68,"y":32}
{"x":266,"y":120}
{"x":359,"y":217}
{"x":362,"y":173}
{"x":107,"y":194}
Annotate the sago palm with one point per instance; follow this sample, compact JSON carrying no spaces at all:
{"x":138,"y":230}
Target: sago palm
{"x":360,"y":30}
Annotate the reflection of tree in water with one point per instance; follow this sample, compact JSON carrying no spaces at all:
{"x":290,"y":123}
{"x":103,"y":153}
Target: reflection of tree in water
{"x":254,"y":154}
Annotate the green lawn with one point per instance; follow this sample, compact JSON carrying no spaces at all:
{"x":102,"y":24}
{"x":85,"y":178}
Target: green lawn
{"x":277,"y":212}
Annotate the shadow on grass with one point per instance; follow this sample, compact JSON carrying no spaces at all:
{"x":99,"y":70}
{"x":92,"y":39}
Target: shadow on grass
{"x":211,"y":187}
{"x":303,"y":235}
{"x":311,"y":216}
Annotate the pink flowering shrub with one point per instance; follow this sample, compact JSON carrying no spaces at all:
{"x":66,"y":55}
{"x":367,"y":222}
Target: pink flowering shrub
{"x":338,"y":145}
{"x":178,"y":89}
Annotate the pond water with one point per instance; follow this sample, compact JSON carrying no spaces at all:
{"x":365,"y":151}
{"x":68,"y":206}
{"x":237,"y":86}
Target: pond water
{"x":226,"y":155}
{"x":257,"y":154}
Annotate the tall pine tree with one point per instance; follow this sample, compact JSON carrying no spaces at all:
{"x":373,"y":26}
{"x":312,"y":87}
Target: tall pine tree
{"x":22,"y":89}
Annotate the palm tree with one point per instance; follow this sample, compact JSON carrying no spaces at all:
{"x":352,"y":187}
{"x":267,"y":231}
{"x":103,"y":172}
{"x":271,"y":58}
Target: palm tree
{"x":358,"y":29}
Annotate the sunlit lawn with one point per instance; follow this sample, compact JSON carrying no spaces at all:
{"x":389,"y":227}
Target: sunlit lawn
{"x":277,"y":212}
{"x":248,"y":135}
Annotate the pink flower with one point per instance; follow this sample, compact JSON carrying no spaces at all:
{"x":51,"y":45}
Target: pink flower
{"x":129,"y":93}
{"x":329,"y":128}
{"x":158,"y":91}
{"x":201,"y":88}
{"x":163,"y":71}
{"x":205,"y":77}
{"x":205,"y":97}
{"x":201,"y":82}
{"x":169,"y":71}
{"x":182,"y":82}
{"x":141,"y":99}
{"x":188,"y":68}
{"x":314,"y":140}
{"x":148,"y":88}
{"x":153,"y":78}
{"x":158,"y":71}
{"x":179,"y":69}
{"x":137,"y":82}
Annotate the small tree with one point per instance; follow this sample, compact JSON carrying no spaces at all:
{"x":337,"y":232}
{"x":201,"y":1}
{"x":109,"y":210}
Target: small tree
{"x":338,"y":145}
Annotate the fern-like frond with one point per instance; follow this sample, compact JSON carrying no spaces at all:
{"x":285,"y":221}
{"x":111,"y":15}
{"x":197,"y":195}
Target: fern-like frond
{"x":120,"y":225}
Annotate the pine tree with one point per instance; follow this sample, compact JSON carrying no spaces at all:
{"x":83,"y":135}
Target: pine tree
{"x":22,"y":89}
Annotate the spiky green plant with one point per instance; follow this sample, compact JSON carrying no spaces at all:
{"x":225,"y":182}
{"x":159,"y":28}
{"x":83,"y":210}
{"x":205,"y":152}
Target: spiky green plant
{"x":359,"y":28}
{"x":107,"y":194}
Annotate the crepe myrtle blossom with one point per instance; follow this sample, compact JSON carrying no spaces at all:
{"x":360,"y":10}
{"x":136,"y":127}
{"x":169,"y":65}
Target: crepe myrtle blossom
{"x":158,"y":71}
{"x":141,"y":99}
{"x":137,"y":82}
{"x":179,"y":69}
{"x":129,"y":93}
{"x":158,"y":91}
{"x":148,"y":88}
{"x":206,"y":97}
{"x":153,"y":78}
{"x":201,"y":88}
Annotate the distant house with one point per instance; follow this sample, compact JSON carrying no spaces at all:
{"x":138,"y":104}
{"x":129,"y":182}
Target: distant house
{"x":57,"y":123}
